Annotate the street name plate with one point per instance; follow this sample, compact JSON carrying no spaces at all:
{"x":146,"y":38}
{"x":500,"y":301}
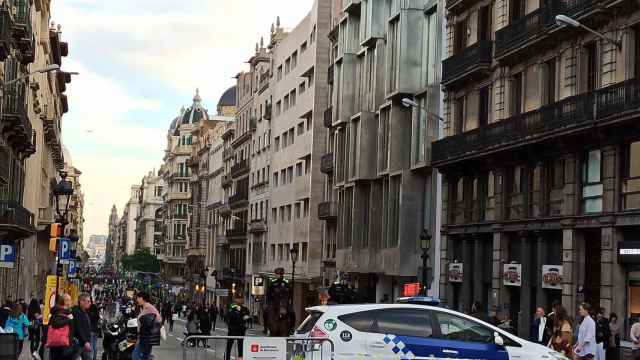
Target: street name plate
{"x":265,"y":348}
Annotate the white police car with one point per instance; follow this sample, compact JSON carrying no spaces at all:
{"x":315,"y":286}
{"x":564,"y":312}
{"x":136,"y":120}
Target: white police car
{"x":409,"y":331}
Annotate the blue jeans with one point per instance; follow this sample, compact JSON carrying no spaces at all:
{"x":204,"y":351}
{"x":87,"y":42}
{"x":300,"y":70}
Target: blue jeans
{"x":141,"y":352}
{"x":94,"y":346}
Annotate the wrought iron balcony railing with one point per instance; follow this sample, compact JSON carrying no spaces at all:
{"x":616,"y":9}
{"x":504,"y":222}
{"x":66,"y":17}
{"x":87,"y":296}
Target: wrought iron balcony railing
{"x":570,"y":114}
{"x":471,"y":62}
{"x":240,"y":168}
{"x":328,"y":210}
{"x":14,"y":215}
{"x":236,"y":198}
{"x":523,"y":31}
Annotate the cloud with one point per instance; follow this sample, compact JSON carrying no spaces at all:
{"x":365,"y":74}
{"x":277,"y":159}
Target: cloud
{"x":139,"y":62}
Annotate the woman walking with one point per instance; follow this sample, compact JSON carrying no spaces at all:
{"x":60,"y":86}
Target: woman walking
{"x":585,"y":347}
{"x":562,"y":338}
{"x":60,"y":333}
{"x":18,"y":323}
{"x":613,"y":350}
{"x":34,"y":315}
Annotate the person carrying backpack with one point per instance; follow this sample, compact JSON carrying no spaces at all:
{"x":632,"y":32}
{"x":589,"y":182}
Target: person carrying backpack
{"x":60,"y":332}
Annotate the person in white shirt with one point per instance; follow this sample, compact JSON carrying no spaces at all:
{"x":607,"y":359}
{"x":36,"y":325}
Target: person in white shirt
{"x":538,"y":328}
{"x":634,"y":334}
{"x":585,"y":347}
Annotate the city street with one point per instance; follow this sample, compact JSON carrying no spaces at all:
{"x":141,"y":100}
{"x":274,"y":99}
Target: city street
{"x":172,"y":348}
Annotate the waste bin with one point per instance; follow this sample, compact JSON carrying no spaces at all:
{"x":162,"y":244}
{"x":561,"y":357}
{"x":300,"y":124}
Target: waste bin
{"x":8,"y":346}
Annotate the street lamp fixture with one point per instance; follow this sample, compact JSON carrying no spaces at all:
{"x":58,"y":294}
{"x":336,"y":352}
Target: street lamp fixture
{"x":413,"y":104}
{"x":294,"y":259}
{"x":564,"y":20}
{"x":425,"y":245}
{"x":62,"y":192}
{"x":46,"y":69}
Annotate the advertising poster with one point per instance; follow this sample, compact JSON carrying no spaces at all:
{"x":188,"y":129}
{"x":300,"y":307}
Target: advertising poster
{"x":552,"y":277}
{"x":512,"y":274}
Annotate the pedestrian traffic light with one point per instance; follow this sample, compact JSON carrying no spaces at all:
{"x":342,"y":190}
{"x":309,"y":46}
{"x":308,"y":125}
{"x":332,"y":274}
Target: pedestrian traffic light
{"x":55,"y":233}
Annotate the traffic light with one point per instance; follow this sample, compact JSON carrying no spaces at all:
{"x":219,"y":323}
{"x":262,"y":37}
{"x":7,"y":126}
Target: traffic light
{"x":56,"y":232}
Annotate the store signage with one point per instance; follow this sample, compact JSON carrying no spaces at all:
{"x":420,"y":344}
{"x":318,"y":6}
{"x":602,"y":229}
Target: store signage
{"x":512,"y":274}
{"x":629,"y":252}
{"x":412,"y":289}
{"x":7,"y":256}
{"x":257,"y":286}
{"x":456,"y":273}
{"x":265,"y":348}
{"x":221,"y":292}
{"x":552,"y":277}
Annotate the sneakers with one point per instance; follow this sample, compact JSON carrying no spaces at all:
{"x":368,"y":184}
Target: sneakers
{"x":36,"y":355}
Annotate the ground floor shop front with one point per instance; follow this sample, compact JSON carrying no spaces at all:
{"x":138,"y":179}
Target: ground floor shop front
{"x":509,"y":271}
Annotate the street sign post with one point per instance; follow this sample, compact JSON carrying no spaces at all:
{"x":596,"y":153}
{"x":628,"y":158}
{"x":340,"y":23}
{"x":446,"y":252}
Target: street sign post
{"x":7,"y":256}
{"x":64,"y":250}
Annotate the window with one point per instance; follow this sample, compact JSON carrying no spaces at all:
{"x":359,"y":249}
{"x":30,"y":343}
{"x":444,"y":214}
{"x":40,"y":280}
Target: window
{"x":631,"y":177}
{"x":294,"y":59}
{"x":290,"y":174}
{"x":383,"y":140}
{"x":299,"y":169}
{"x":277,"y":143}
{"x":278,"y":107}
{"x":298,"y":211}
{"x":484,"y":23}
{"x":286,"y":102}
{"x":361,"y":321}
{"x":549,"y":81}
{"x":484,"y":101}
{"x":403,"y":322}
{"x":292,"y":136}
{"x":292,"y":97}
{"x":305,"y":207}
{"x":283,"y":176}
{"x":592,"y":188}
{"x":281,"y":213}
{"x":394,"y":210}
{"x":275,"y":179}
{"x":279,"y":76}
{"x":280,"y":252}
{"x":287,"y":66}
{"x":302,"y":88}
{"x":460,"y":36}
{"x":393,"y":54}
{"x":303,"y":47}
{"x":459,"y":329}
{"x":516,"y":94}
{"x":285,"y":137}
{"x":305,"y":248}
{"x":300,"y":128}
{"x":516,"y":9}
{"x":458,"y":115}
{"x":288,"y":213}
{"x":307,"y":164}
{"x":591,"y":63}
{"x":274,"y":214}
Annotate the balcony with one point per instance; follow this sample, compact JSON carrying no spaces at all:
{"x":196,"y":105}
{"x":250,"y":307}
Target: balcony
{"x":328,"y":118}
{"x":257,"y":226}
{"x":352,"y":7}
{"x":236,"y":199}
{"x":237,"y":232}
{"x":243,"y":138}
{"x":45,"y":215}
{"x":328,"y":210}
{"x":6,"y":28}
{"x":178,"y":196}
{"x":23,"y":32}
{"x":227,"y":153}
{"x":573,"y":114}
{"x":240,"y":169}
{"x":227,"y":181}
{"x":472,"y":63}
{"x":179,"y":216}
{"x":326,"y":163}
{"x":229,"y":132}
{"x":16,"y":126}
{"x":16,"y":221}
{"x":457,"y":6}
{"x":524,"y":32}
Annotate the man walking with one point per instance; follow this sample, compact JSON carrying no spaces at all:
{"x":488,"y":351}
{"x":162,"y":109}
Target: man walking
{"x":603,"y":334}
{"x":82,"y":326}
{"x":213,"y":316}
{"x":585,"y":347}
{"x":236,"y":320}
{"x":539,"y":328}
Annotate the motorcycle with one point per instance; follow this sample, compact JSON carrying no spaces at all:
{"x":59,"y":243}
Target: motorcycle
{"x":119,"y":338}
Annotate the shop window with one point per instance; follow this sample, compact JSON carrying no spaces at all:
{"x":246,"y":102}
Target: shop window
{"x":592,"y":188}
{"x":631,"y":177}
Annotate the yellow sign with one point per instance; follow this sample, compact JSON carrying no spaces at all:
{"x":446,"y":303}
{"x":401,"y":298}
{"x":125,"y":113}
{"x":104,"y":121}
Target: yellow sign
{"x":72,"y":290}
{"x":50,"y":295}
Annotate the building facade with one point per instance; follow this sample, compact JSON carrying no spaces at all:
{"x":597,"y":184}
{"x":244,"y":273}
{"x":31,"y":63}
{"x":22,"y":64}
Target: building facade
{"x":540,"y":157}
{"x":127,"y":222}
{"x":149,"y":200}
{"x":111,"y":258}
{"x":380,"y":191}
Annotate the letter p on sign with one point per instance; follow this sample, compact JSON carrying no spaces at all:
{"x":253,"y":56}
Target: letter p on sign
{"x":7,"y":256}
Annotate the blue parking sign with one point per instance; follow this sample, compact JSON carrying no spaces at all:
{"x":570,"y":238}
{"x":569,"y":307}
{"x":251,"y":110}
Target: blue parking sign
{"x":7,"y":256}
{"x":73,"y":268}
{"x":64,"y":250}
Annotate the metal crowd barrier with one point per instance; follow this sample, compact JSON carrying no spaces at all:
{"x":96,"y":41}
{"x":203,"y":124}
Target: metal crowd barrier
{"x":200,"y":347}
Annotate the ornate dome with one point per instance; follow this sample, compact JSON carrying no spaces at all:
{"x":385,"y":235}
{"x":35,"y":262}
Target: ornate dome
{"x":195,"y":112}
{"x":228,"y":98}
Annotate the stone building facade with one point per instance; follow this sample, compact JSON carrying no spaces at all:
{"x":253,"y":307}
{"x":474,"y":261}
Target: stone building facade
{"x":149,"y":200}
{"x":540,"y":160}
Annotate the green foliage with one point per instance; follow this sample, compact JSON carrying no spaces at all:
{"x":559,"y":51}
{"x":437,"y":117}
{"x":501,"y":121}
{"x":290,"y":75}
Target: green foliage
{"x":141,"y":260}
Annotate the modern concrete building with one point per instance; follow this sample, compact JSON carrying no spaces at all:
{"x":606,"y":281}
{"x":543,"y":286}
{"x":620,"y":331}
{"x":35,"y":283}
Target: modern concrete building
{"x":380,"y":191}
{"x":540,"y":157}
{"x":300,"y":60}
{"x":149,"y":200}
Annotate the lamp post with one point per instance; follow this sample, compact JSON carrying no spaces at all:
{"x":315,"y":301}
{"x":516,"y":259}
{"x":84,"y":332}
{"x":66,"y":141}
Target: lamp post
{"x":425,"y":245}
{"x":411,"y":103}
{"x":294,"y":259}
{"x":568,"y":21}
{"x":62,"y":193}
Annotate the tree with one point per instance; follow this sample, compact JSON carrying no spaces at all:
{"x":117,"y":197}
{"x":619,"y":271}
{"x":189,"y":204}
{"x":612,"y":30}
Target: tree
{"x":141,"y":260}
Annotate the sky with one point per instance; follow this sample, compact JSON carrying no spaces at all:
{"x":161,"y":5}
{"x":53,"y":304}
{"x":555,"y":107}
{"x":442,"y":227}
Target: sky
{"x":139,"y":62}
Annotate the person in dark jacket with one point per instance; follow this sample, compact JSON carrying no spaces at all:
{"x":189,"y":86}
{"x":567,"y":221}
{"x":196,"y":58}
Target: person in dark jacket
{"x":236,"y":321}
{"x":149,"y":324}
{"x":82,"y":326}
{"x":205,"y":325}
{"x":213,"y":316}
{"x":94,"y":316}
{"x":60,"y":317}
{"x":35,"y":318}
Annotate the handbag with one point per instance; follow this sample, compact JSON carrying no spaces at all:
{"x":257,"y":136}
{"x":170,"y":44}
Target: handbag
{"x":58,"y":337}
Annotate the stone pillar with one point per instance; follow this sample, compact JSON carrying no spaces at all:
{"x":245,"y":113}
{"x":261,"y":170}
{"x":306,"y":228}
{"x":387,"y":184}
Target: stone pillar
{"x":541,"y":251}
{"x":524,"y":314}
{"x":499,"y":295}
{"x":607,"y":267}
{"x":619,"y":277}
{"x":569,"y":267}
{"x":467,"y":286}
{"x":499,"y":193}
{"x":477,"y":268}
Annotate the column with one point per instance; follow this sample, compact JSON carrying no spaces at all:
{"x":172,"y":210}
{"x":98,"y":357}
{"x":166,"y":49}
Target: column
{"x":571,"y":172}
{"x":541,"y":250}
{"x":446,"y":289}
{"x":569,"y":267}
{"x":467,"y":260}
{"x":524,"y":314}
{"x":499,"y":295}
{"x":477,"y":268}
{"x":607,"y":267}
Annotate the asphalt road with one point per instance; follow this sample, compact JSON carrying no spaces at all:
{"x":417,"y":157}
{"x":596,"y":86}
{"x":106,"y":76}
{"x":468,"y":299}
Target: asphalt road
{"x":172,"y":348}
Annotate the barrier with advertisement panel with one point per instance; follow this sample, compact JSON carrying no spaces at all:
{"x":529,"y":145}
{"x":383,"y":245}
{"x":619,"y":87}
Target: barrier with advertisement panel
{"x":258,"y":348}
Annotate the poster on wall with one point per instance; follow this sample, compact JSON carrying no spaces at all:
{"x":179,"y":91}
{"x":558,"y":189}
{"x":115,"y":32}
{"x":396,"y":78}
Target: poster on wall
{"x":552,"y":277}
{"x":512,"y":274}
{"x":456,"y":273}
